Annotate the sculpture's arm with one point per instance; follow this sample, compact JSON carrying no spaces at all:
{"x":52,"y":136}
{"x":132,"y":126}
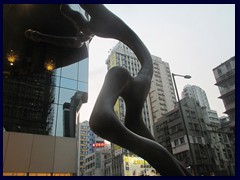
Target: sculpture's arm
{"x":74,"y":42}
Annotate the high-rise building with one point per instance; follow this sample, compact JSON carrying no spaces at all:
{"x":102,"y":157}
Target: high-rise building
{"x":221,"y":147}
{"x":162,"y":96}
{"x":83,"y":145}
{"x":86,"y":146}
{"x":225,"y":80}
{"x":197,"y":93}
{"x":192,"y":91}
{"x":35,"y":93}
{"x":222,"y":150}
{"x":208,"y":150}
{"x":192,"y":151}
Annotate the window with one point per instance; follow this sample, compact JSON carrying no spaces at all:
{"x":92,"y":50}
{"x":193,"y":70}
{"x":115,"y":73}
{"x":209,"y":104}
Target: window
{"x":70,"y":71}
{"x":228,"y":66}
{"x":176,"y":142}
{"x":174,"y":129}
{"x":219,"y":72}
{"x":196,"y":126}
{"x":194,"y":139}
{"x":190,"y":125}
{"x":182,"y":140}
{"x":199,"y":140}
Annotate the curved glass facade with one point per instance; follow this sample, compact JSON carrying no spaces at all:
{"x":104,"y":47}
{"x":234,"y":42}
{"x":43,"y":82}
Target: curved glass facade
{"x":36,"y":98}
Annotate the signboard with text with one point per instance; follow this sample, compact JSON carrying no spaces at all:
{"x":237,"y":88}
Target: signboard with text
{"x":136,"y":166}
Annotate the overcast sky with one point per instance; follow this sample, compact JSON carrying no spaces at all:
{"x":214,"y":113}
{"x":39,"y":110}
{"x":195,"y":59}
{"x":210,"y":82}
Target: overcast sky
{"x":193,"y":39}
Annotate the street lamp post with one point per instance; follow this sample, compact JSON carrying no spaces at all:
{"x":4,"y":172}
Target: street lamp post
{"x":184,"y":123}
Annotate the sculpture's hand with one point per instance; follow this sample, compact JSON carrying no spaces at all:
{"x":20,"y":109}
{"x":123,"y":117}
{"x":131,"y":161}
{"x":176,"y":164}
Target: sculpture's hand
{"x":74,"y":42}
{"x":102,"y":23}
{"x":79,"y":22}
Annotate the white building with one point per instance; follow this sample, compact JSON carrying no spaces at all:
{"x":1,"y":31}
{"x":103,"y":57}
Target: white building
{"x":197,"y":93}
{"x":162,"y":96}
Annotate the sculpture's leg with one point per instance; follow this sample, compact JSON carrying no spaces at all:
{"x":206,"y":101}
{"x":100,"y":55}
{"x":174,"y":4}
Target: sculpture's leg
{"x":134,"y":122}
{"x":106,"y":124}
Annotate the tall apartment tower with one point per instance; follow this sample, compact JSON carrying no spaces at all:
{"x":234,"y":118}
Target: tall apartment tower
{"x":162,"y":96}
{"x":86,"y":140}
{"x":83,"y":145}
{"x":197,"y":93}
{"x":225,"y":80}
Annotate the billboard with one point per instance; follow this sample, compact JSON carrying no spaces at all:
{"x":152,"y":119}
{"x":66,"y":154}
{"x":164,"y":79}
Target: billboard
{"x":136,"y":166}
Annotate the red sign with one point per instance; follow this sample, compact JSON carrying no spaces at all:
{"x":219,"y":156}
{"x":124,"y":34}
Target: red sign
{"x":97,"y":145}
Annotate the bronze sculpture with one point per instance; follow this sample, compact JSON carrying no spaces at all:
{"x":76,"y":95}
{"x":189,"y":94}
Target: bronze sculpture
{"x":134,"y":136}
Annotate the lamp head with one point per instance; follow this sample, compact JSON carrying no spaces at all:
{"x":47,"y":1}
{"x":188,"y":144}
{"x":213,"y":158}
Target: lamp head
{"x":187,"y":77}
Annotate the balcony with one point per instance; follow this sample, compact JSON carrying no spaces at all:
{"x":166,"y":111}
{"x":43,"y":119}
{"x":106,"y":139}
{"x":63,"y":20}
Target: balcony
{"x":225,"y":91}
{"x":229,"y":108}
{"x":225,"y":77}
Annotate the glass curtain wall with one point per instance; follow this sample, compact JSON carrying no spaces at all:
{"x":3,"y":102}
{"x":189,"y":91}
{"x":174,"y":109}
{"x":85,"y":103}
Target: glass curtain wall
{"x":33,"y":97}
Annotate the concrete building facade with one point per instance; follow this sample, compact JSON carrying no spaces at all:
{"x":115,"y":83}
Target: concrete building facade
{"x":83,"y":145}
{"x":204,"y":131}
{"x":162,"y":95}
{"x":197,"y":93}
{"x":225,"y":80}
{"x":86,"y":146}
{"x":170,"y":132}
{"x":97,"y":163}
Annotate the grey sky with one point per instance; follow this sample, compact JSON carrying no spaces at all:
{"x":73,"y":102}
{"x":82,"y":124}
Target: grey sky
{"x":193,"y":39}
